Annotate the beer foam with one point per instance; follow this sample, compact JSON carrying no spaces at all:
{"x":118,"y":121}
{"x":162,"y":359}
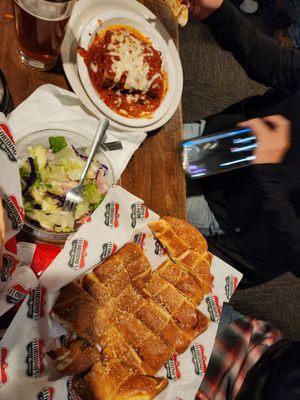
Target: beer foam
{"x":46,"y":10}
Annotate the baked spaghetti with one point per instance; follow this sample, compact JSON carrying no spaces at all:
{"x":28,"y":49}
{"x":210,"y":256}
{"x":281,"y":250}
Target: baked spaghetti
{"x":126,"y":71}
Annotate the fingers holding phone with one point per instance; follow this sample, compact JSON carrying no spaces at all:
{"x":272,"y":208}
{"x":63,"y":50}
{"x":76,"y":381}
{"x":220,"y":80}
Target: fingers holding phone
{"x":202,"y":9}
{"x":273,"y":135}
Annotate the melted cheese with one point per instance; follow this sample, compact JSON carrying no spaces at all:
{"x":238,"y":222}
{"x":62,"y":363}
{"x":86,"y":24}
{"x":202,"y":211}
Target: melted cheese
{"x":94,"y":67}
{"x":132,"y":98}
{"x":128,"y":57}
{"x":118,"y":102}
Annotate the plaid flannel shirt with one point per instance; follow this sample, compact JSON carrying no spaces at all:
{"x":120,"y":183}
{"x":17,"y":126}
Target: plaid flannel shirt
{"x":235,"y":351}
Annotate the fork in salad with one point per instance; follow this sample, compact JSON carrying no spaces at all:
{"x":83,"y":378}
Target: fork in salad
{"x":49,"y":173}
{"x":75,"y":195}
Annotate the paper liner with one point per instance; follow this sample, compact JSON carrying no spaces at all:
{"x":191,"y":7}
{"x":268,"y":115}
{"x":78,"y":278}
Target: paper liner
{"x":16,"y":279}
{"x":26,"y":372}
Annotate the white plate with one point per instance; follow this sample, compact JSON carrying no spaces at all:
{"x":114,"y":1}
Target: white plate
{"x":85,"y":12}
{"x":109,"y":18}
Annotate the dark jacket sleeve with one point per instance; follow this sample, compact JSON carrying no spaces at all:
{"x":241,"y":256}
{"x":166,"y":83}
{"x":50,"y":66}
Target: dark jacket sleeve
{"x":261,"y":56}
{"x":277,"y":181}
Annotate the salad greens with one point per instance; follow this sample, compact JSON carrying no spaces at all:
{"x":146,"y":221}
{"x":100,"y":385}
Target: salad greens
{"x":46,"y":177}
{"x":57,"y":143}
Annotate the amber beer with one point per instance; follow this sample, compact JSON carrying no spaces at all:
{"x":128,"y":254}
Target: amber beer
{"x":40,"y":28}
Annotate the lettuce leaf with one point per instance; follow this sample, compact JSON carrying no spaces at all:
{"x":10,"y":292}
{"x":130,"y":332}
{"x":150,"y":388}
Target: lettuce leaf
{"x":57,"y":143}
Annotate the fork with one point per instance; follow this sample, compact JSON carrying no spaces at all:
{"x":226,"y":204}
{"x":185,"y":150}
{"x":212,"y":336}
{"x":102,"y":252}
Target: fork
{"x":75,"y":195}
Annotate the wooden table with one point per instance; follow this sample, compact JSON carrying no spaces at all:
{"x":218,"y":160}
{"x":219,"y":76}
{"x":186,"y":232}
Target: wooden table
{"x":154,"y":173}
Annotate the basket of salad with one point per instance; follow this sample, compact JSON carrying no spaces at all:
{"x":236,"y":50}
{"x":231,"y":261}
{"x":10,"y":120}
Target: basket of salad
{"x":51,"y":163}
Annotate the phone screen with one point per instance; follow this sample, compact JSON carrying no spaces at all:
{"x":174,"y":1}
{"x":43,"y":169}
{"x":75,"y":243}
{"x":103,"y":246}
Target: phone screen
{"x":220,"y":152}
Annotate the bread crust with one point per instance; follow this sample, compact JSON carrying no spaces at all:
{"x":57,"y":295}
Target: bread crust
{"x":186,"y":247}
{"x":139,"y":317}
{"x":180,"y":11}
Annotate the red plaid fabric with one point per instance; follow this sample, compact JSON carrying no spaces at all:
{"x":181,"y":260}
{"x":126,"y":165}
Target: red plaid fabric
{"x":235,"y":351}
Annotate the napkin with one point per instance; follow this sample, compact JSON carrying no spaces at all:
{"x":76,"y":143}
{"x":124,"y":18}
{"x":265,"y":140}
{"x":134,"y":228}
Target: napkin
{"x":53,"y":104}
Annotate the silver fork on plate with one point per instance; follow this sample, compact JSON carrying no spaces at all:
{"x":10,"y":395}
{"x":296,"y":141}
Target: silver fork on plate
{"x":75,"y":195}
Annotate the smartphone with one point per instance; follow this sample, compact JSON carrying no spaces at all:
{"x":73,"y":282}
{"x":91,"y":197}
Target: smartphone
{"x":220,"y":152}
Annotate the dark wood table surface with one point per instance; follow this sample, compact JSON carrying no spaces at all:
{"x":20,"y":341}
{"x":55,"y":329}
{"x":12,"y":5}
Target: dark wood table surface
{"x":154,"y":173}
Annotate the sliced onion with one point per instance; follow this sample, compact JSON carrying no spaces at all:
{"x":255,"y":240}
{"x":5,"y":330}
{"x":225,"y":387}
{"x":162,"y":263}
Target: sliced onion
{"x":100,"y":181}
{"x":103,"y":167}
{"x":32,"y":177}
{"x":78,"y":154}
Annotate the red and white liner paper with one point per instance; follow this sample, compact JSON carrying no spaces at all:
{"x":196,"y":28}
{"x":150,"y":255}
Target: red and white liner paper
{"x":27,"y":370}
{"x":48,"y":105}
{"x":16,"y":279}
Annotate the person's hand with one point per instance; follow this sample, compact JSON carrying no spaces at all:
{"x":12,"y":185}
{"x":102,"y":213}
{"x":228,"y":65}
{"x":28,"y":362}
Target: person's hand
{"x":202,"y":9}
{"x":273,"y":137}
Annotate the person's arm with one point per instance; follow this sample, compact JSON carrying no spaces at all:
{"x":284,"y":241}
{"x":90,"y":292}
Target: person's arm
{"x":273,"y":137}
{"x":261,"y":56}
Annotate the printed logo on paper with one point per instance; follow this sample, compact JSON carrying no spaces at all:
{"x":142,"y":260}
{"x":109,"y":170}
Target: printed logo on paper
{"x":3,"y":366}
{"x":7,"y":143}
{"x":11,"y":245}
{"x":72,"y":395}
{"x":14,"y":211}
{"x":34,"y":359}
{"x":230,"y":286}
{"x":112,"y":215}
{"x":46,"y":394}
{"x":172,"y":368}
{"x":139,"y":212}
{"x":214,"y":308}
{"x":199,"y":359}
{"x":159,"y":250}
{"x":17,"y":293}
{"x":108,"y":249}
{"x":8,"y":267}
{"x":139,"y":239}
{"x":36,"y":303}
{"x":78,"y":253}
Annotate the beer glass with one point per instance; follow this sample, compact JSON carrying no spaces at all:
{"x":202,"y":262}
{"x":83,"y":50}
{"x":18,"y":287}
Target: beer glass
{"x":40,"y":28}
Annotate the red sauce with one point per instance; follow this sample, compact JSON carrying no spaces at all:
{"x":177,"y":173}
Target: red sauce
{"x":114,"y":95}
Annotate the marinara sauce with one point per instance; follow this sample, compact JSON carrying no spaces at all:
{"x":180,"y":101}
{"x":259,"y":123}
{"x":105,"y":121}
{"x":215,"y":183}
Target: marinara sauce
{"x":102,"y":58}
